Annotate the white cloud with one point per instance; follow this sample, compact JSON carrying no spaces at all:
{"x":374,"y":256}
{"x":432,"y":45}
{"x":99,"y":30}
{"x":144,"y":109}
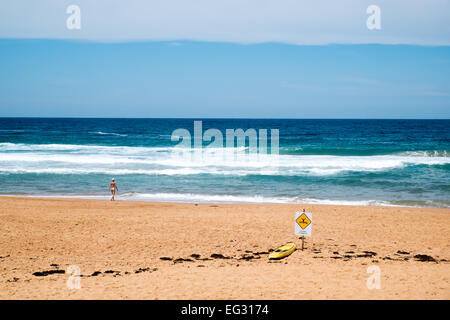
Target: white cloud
{"x":243,"y":21}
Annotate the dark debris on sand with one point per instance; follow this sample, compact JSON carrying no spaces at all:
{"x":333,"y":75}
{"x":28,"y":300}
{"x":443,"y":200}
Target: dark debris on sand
{"x":219,"y":256}
{"x":248,"y":257}
{"x":178,"y":260}
{"x":47,"y":272}
{"x":261,"y":252}
{"x":140,"y":270}
{"x":366,"y":254}
{"x":424,"y":258}
{"x":111,"y":271}
{"x":166,"y":258}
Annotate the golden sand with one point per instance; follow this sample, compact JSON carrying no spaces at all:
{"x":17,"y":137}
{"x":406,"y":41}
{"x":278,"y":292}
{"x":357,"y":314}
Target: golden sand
{"x":219,"y":251}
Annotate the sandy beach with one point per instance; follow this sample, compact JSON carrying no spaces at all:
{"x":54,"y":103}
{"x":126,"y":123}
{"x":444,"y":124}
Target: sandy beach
{"x":137,"y":250}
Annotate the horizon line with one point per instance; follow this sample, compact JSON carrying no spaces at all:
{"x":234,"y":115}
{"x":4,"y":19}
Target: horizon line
{"x":214,"y":118}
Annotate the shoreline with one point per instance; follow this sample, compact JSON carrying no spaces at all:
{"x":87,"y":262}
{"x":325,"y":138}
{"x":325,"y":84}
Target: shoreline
{"x":155,"y":250}
{"x":351,"y":203}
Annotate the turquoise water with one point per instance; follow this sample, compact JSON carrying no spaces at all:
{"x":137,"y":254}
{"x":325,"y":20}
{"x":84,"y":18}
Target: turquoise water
{"x":368,"y":162}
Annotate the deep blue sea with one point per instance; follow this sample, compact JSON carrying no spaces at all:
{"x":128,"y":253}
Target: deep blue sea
{"x":365,"y":162}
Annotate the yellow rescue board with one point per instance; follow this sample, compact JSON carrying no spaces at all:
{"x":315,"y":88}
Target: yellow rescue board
{"x":282,"y":251}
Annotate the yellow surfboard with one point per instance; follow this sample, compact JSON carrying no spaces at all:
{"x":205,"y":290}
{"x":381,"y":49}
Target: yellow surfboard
{"x":283,"y":251}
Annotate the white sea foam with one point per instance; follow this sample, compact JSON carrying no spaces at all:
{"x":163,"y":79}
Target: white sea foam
{"x":169,"y":172}
{"x":7,"y":146}
{"x":109,"y":133}
{"x":202,"y":198}
{"x":170,"y":197}
{"x":84,"y":159}
{"x":433,"y":153}
{"x":121,"y":150}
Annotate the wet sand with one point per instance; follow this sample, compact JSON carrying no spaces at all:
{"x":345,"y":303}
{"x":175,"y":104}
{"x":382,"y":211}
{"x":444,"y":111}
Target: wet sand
{"x":137,"y":250}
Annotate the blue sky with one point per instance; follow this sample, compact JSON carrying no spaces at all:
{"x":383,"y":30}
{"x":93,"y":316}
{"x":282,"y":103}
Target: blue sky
{"x":256,"y":59}
{"x":202,"y":79}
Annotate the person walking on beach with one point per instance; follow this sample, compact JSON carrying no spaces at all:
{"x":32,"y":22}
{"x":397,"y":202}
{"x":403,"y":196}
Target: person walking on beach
{"x":113,"y":188}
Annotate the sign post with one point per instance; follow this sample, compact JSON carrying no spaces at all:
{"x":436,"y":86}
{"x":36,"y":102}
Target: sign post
{"x":303,"y":225}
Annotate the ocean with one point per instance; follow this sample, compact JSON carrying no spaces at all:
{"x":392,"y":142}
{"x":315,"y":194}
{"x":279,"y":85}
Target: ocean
{"x":360,"y":162}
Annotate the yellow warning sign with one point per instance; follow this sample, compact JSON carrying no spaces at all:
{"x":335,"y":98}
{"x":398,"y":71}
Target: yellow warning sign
{"x":303,"y":221}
